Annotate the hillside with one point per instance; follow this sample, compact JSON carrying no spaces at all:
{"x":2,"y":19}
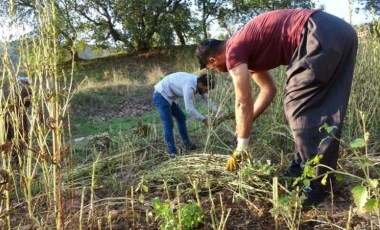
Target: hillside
{"x":136,"y":65}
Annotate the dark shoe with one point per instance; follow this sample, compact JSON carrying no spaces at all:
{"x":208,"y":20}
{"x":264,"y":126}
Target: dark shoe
{"x":314,"y":196}
{"x":191,"y":147}
{"x":294,"y":170}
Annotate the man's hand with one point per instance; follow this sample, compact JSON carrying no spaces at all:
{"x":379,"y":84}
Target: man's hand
{"x":207,"y":121}
{"x":235,"y":159}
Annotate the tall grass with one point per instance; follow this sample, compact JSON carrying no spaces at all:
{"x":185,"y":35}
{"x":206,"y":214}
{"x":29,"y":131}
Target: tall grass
{"x":365,"y":90}
{"x":35,"y":158}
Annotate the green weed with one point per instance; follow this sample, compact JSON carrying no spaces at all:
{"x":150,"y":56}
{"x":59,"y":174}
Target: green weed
{"x":187,"y":216}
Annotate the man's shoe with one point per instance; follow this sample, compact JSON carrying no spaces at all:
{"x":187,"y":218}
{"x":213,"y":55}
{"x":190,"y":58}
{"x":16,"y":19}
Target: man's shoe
{"x":314,"y":196}
{"x":293,"y":171}
{"x":191,"y":147}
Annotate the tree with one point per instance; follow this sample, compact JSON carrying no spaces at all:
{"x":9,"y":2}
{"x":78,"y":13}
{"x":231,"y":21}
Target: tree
{"x":100,"y":19}
{"x":68,"y":26}
{"x":184,"y":24}
{"x":209,"y":10}
{"x":141,"y":24}
{"x":67,"y":23}
{"x":242,"y":11}
{"x":372,"y":6}
{"x":148,"y":22}
{"x":231,"y":14}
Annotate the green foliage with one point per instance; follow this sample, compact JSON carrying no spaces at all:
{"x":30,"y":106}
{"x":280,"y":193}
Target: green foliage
{"x":287,"y":206}
{"x":327,"y":128}
{"x":188,"y":216}
{"x":143,"y":188}
{"x":360,"y":194}
{"x":164,"y":213}
{"x":191,"y":215}
{"x":114,"y":126}
{"x":309,"y":172}
{"x":257,"y":168}
{"x":248,"y":9}
{"x":357,"y":143}
{"x":151,"y":22}
{"x":371,"y":205}
{"x":372,"y":6}
{"x":141,"y":25}
{"x":365,"y":195}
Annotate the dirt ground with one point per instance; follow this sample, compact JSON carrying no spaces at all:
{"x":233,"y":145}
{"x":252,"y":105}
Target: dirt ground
{"x":334,"y":213}
{"x":110,"y":209}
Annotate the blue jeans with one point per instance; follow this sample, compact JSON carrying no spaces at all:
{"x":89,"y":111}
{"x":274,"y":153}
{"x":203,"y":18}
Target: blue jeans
{"x":167,"y":112}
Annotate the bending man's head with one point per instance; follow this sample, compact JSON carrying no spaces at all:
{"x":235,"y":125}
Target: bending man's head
{"x":205,"y":82}
{"x":211,"y":55}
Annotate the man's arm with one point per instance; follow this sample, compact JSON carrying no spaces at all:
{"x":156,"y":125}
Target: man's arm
{"x":246,"y":112}
{"x":188,"y":94}
{"x":209,"y":103}
{"x":267,"y":92}
{"x":243,"y":100}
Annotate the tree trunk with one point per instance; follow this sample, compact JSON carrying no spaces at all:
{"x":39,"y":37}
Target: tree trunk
{"x":180,"y":36}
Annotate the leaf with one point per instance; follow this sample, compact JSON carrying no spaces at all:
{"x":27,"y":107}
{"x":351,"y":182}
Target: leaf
{"x":317,"y":159}
{"x":309,"y":171}
{"x":324,"y":180}
{"x":360,"y":194}
{"x":371,"y":205}
{"x":156,"y":203}
{"x":141,"y":198}
{"x":306,"y":182}
{"x":283,"y":200}
{"x":296,"y":181}
{"x":145,"y":188}
{"x":374,"y":183}
{"x":326,"y":127}
{"x":357,"y":143}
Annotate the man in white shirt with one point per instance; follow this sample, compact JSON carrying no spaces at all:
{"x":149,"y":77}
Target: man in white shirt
{"x":181,"y":85}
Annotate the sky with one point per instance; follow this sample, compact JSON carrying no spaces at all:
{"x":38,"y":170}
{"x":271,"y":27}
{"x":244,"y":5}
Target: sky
{"x":8,"y":31}
{"x":339,"y":8}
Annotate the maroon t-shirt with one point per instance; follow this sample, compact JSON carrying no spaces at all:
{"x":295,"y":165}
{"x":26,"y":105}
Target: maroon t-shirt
{"x":267,"y":41}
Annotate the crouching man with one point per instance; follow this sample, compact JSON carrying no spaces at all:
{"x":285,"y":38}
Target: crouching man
{"x":175,"y":86}
{"x":15,"y":104}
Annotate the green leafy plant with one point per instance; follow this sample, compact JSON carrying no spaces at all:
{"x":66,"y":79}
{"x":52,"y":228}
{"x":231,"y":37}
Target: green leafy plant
{"x":186,"y":216}
{"x":192,"y":215}
{"x":309,"y":172}
{"x":164,"y":213}
{"x":362,"y":200}
{"x":365,"y":195}
{"x":142,"y":188}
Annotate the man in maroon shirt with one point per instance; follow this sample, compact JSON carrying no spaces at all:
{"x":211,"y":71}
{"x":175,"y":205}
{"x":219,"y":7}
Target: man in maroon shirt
{"x":319,"y":50}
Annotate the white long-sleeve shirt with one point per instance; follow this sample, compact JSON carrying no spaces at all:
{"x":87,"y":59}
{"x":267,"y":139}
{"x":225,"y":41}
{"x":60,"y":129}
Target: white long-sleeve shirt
{"x":183,"y":85}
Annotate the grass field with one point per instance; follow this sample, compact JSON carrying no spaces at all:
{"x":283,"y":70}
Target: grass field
{"x":94,"y":156}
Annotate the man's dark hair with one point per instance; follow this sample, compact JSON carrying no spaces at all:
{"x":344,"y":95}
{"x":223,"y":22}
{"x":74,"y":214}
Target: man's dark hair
{"x":207,"y":48}
{"x":207,"y":80}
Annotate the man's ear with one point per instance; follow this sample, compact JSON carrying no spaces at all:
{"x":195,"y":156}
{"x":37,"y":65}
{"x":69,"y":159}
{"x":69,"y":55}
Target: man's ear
{"x":212,"y":60}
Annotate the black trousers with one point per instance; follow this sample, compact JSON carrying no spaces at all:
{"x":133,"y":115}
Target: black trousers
{"x":318,"y":86}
